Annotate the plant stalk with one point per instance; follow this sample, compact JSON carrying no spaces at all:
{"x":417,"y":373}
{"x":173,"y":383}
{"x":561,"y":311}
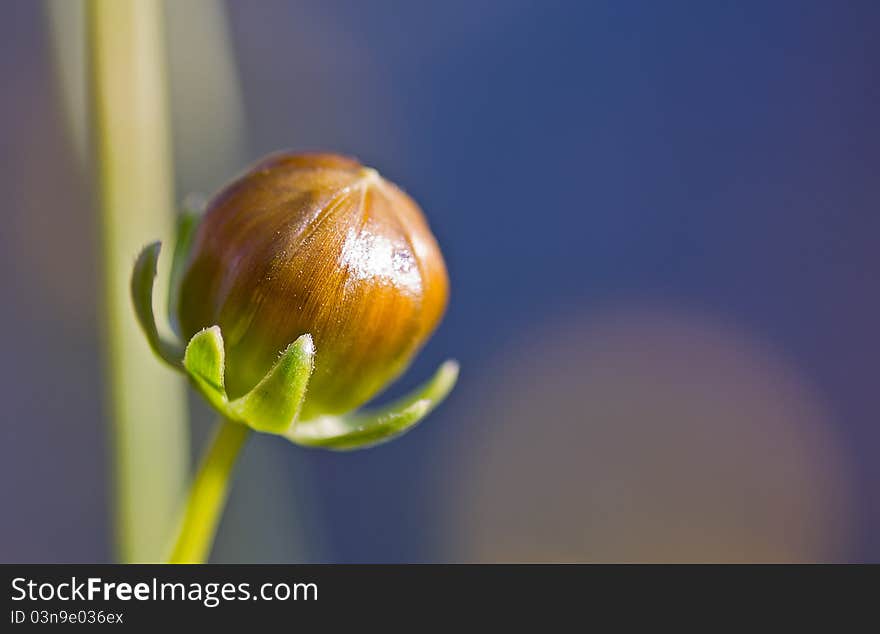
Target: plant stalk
{"x":208,"y":494}
{"x":147,"y":404}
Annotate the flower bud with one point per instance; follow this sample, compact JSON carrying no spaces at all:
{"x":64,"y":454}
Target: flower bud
{"x":315,"y":244}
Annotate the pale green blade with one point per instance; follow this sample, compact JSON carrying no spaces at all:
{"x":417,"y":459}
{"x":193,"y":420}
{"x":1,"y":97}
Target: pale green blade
{"x":142,"y":278}
{"x":273,"y":405}
{"x":205,"y":361}
{"x":366,"y":429}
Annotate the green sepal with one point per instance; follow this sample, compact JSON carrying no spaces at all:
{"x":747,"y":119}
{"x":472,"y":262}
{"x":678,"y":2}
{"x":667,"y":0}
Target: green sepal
{"x":273,"y":405}
{"x":361,"y":430}
{"x":205,"y":362}
{"x":142,"y":278}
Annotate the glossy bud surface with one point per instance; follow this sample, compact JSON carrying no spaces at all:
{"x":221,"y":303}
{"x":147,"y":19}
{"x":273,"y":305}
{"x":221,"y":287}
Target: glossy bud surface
{"x":319,"y":244}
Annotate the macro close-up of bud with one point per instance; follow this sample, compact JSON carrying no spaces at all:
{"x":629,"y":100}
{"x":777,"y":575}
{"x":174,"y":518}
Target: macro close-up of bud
{"x":317,"y":244}
{"x":412,"y":283}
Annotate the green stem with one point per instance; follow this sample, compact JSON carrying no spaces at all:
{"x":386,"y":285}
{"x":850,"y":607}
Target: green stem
{"x":208,"y":494}
{"x":147,"y":403}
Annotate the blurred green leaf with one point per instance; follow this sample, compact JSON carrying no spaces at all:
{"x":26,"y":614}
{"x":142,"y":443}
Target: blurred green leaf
{"x":187,"y":222}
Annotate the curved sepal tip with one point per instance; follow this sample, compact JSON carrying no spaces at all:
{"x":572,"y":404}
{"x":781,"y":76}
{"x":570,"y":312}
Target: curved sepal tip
{"x":142,"y":278}
{"x":361,"y":430}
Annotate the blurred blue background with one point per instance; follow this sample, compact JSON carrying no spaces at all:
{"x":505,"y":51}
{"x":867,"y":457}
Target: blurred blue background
{"x":661,"y":224}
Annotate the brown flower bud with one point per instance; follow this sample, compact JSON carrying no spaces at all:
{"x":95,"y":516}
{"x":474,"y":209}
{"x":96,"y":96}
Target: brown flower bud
{"x":319,"y":244}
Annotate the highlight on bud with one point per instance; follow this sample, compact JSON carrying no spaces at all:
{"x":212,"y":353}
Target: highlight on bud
{"x":307,"y":287}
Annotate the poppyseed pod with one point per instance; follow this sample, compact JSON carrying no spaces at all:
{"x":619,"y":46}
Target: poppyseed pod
{"x":315,"y":244}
